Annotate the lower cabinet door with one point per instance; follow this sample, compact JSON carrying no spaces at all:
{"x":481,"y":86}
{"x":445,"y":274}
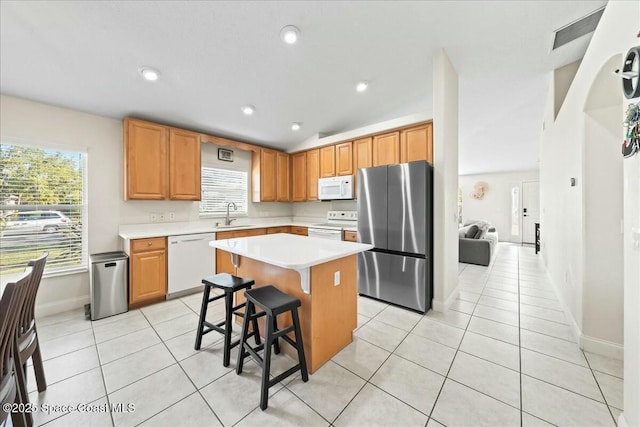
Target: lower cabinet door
{"x":148,"y":275}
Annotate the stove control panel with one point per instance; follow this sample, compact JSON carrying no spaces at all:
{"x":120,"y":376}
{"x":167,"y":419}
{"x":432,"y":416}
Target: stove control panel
{"x":342,"y":215}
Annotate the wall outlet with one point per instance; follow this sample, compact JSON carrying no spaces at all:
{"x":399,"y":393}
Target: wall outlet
{"x":172,"y":216}
{"x":336,"y":278}
{"x":162,"y":217}
{"x":153,"y":217}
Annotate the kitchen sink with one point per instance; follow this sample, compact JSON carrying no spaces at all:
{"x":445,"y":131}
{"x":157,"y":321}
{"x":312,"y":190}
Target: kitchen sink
{"x":234,"y":226}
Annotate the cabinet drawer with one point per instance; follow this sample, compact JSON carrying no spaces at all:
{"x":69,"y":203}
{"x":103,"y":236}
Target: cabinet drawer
{"x":141,"y":245}
{"x":302,"y":231}
{"x":351,"y":236}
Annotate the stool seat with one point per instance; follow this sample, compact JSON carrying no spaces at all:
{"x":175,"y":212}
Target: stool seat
{"x":227,"y":281}
{"x":272,"y":300}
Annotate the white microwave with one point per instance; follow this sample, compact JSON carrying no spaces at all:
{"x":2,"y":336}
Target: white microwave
{"x":335,"y":188}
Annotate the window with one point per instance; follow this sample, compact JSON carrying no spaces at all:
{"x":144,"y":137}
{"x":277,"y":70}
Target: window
{"x":42,"y":208}
{"x":221,"y":186}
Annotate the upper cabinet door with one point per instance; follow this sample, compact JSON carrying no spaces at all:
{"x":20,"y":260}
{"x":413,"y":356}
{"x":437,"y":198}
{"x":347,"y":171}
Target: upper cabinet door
{"x":386,"y":149}
{"x":313,"y":172}
{"x":184,"y":165}
{"x":299,"y":182}
{"x":283,"y":177}
{"x":145,"y":157}
{"x":417,"y":144}
{"x":327,"y":161}
{"x":267,"y":175}
{"x":362,"y":157}
{"x":344,"y":159}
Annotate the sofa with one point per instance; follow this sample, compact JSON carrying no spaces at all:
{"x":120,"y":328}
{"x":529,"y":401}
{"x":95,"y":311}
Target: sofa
{"x":477,"y":242}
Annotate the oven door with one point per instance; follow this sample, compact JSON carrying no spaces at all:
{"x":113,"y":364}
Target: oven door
{"x":323,"y":233}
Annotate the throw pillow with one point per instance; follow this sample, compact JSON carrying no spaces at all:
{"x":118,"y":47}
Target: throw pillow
{"x":471,"y":233}
{"x":462,"y":232}
{"x":479,"y":234}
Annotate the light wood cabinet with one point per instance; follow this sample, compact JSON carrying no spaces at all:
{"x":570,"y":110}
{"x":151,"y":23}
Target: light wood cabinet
{"x":417,"y":144}
{"x":160,"y":163}
{"x":283,"y":180}
{"x":145,"y":160}
{"x":362,"y":158}
{"x":184,"y":165}
{"x":328,"y":161}
{"x":350,"y":236}
{"x":386,"y":149}
{"x":147,"y":271}
{"x":223,"y":258}
{"x":300,"y":231}
{"x":299,"y":180}
{"x":276,"y":230}
{"x":313,"y":173}
{"x":344,"y":159}
{"x":268,"y":175}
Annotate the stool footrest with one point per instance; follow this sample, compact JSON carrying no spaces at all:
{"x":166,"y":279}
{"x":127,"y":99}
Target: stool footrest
{"x":284,"y":375}
{"x":216,"y":298}
{"x":281,"y":332}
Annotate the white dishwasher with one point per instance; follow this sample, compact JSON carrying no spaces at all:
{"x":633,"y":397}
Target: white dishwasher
{"x":190,"y":260}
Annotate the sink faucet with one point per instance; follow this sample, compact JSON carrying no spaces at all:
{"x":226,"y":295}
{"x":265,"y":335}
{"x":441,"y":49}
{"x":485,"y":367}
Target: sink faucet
{"x":227,"y":220}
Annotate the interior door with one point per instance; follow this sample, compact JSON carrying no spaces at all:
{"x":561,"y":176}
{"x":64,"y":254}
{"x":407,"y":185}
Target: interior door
{"x":530,"y":210}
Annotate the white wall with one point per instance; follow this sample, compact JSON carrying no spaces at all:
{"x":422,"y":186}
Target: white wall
{"x":495,"y":207}
{"x":38,"y":123}
{"x":445,"y":154}
{"x":567,"y":211}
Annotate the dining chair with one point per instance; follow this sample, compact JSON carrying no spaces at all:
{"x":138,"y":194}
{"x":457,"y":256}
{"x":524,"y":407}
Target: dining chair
{"x":12,"y":301}
{"x":26,"y":338}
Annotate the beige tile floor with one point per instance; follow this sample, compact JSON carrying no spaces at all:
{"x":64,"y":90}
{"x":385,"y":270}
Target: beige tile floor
{"x":503,"y":355}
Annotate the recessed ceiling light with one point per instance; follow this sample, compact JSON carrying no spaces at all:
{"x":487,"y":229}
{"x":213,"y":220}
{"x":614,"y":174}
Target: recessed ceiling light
{"x":149,"y":74}
{"x":362,"y":86}
{"x":248,"y":109}
{"x":295,"y":126}
{"x":289,"y":34}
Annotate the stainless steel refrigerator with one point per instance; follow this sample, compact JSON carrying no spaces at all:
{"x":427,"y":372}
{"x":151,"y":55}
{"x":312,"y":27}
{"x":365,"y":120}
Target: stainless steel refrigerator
{"x":395,"y":215}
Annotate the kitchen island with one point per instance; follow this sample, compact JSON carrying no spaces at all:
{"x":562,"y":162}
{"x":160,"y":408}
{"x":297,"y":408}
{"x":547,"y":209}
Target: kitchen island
{"x":319,"y":272}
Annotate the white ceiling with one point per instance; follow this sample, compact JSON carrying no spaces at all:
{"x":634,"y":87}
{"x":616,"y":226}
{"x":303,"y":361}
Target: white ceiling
{"x":215,"y":57}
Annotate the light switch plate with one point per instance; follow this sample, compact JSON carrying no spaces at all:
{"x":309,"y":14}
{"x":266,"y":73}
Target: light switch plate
{"x":336,"y":278}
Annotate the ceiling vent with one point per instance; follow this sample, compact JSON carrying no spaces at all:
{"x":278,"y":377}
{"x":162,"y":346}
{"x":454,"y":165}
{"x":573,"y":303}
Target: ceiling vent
{"x":577,"y":29}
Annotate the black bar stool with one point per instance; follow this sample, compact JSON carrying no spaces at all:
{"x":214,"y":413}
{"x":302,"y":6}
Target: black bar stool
{"x":273,"y":302}
{"x":229,"y":284}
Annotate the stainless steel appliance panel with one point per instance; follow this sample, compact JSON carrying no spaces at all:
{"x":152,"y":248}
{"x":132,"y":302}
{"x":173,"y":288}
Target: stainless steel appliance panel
{"x":109,"y":284}
{"x":394,"y":278}
{"x":372,"y":206}
{"x":408,"y":208}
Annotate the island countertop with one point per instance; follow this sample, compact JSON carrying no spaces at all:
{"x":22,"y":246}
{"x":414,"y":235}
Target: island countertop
{"x":289,"y":250}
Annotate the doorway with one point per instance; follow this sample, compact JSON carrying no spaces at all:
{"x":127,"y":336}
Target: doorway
{"x":530,"y":210}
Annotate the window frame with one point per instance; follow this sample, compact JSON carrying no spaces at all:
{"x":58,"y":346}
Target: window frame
{"x":232,"y":213}
{"x":83,"y":207}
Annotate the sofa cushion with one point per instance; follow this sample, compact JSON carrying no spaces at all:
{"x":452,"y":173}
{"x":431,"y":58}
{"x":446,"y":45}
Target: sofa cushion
{"x":472,"y":232}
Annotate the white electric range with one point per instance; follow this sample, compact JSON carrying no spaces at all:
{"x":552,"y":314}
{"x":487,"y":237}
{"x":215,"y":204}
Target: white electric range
{"x":337,"y":221}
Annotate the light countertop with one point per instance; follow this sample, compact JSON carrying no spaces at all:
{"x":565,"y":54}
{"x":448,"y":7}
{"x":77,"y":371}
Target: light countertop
{"x":289,"y":250}
{"x":161,"y":229}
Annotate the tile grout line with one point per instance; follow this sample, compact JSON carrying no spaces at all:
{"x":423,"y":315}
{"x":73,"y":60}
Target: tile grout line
{"x":104,"y":381}
{"x":519,"y":340}
{"x":446,"y":376}
{"x":184,"y":372}
{"x":600,"y":388}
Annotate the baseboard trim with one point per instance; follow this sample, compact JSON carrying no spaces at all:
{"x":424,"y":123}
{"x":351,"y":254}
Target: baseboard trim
{"x":442,"y":306}
{"x":587,"y":343}
{"x":622,"y":421}
{"x":602,"y":347}
{"x":68,"y":304}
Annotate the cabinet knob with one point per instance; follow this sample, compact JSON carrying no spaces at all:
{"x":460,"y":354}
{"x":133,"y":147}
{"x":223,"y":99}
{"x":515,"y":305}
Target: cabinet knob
{"x":150,"y":243}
